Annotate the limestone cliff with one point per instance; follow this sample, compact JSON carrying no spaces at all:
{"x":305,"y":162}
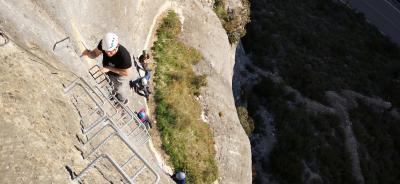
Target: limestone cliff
{"x":39,"y":124}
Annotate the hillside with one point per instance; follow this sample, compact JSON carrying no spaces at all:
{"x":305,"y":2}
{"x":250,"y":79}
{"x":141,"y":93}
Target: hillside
{"x":321,"y":85}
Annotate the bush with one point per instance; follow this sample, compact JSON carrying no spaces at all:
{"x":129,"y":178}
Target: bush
{"x":314,"y":139}
{"x":245,"y":120}
{"x":319,"y":45}
{"x":316,"y":46}
{"x":378,"y":136}
{"x":233,"y":20}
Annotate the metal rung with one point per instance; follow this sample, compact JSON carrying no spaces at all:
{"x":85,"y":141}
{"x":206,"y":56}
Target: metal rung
{"x":113,"y":162}
{"x":130,"y":133}
{"x":91,"y":110}
{"x":142,"y":139}
{"x":103,"y":117}
{"x":118,"y":119}
{"x":106,"y":123}
{"x":85,"y":86}
{"x":139,"y":132}
{"x":94,"y":124}
{"x":106,"y":120}
{"x":125,"y":111}
{"x":95,"y":72}
{"x":101,"y":144}
{"x":140,"y":125}
{"x":95,"y":110}
{"x":102,"y":81}
{"x":137,"y":128}
{"x":105,"y":83}
{"x":107,"y":99}
{"x":138,"y":172}
{"x":126,"y":141}
{"x":99,"y":102}
{"x":129,"y":160}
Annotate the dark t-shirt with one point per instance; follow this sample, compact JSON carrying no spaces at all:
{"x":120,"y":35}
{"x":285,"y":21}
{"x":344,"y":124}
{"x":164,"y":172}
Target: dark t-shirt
{"x":121,"y":60}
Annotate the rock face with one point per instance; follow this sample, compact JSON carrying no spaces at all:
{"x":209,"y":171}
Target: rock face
{"x":37,"y":136}
{"x":39,"y":124}
{"x":232,"y":144}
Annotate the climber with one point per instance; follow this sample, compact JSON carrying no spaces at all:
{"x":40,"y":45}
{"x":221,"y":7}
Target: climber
{"x":144,"y":60}
{"x":141,"y":85}
{"x":116,"y":63}
{"x":179,"y":177}
{"x":144,"y":118}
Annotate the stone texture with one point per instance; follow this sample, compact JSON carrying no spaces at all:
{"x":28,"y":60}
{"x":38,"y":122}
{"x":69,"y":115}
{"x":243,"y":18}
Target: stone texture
{"x":39,"y":124}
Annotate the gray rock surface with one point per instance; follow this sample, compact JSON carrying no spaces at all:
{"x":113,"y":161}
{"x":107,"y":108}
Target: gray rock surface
{"x":39,"y":124}
{"x":232,"y":143}
{"x":37,"y":134}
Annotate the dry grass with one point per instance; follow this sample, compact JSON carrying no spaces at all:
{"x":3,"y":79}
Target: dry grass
{"x":185,"y":137}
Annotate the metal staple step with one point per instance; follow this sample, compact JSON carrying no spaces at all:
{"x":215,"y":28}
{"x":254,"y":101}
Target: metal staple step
{"x":121,"y":120}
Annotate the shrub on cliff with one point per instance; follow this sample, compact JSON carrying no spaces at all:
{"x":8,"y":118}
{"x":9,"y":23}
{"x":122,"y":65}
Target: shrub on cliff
{"x":233,"y":20}
{"x":245,"y":120}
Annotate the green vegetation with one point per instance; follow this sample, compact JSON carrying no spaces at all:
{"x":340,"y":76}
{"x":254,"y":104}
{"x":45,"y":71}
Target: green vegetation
{"x":233,"y":20}
{"x":185,"y":137}
{"x":316,"y":46}
{"x":245,"y":120}
{"x":378,"y":135}
{"x":303,"y":137}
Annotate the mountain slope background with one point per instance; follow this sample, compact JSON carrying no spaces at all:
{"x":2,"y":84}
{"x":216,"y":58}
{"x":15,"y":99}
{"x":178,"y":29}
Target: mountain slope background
{"x":321,"y":85}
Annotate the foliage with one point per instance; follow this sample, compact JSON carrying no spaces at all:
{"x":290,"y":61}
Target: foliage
{"x":319,"y":45}
{"x":316,"y":46}
{"x":245,"y":120}
{"x":233,"y":20}
{"x":378,"y":136}
{"x":185,"y":137}
{"x":303,"y":138}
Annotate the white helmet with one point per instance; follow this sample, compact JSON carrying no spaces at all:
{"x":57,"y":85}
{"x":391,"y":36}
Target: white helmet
{"x":110,"y":42}
{"x":180,"y":176}
{"x":144,"y":81}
